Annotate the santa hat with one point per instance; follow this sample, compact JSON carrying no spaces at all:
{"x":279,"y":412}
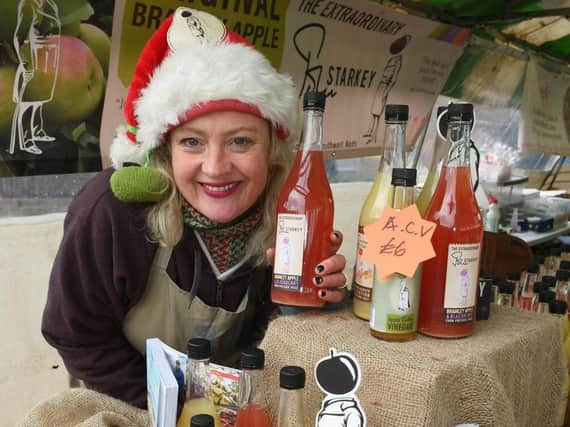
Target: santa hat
{"x":193,"y":65}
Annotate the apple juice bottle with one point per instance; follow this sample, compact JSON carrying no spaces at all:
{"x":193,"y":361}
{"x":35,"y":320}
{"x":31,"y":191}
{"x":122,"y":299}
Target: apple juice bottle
{"x":305,"y":212}
{"x":380,"y":196}
{"x":449,"y":281}
{"x":395,"y":300}
{"x":291,"y":408}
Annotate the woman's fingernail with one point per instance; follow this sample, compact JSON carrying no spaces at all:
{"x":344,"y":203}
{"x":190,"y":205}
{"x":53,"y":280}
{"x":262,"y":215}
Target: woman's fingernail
{"x":318,"y":280}
{"x":320,"y":268}
{"x":322,"y":294}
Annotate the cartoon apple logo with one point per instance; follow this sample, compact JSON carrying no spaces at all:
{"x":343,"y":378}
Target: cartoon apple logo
{"x":338,"y":374}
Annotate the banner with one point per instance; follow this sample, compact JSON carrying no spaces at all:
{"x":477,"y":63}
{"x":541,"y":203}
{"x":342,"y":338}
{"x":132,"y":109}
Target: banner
{"x":53,"y":64}
{"x":546,"y":109}
{"x":361,"y":54}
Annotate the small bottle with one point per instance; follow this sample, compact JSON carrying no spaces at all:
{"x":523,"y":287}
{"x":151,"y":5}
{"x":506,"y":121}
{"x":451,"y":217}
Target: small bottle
{"x":528,"y":280}
{"x":514,"y":277}
{"x":543,"y":301}
{"x":552,"y":261}
{"x":396,"y":319}
{"x":202,"y":420}
{"x":484,"y":295}
{"x":291,"y":407}
{"x":565,"y":255}
{"x":380,"y":196}
{"x":305,"y":212}
{"x":536,"y":290}
{"x":506,"y":290}
{"x":252,"y":412}
{"x":550,"y":282}
{"x":562,"y":278}
{"x":450,"y":279}
{"x":539,"y":259}
{"x":493,"y":216}
{"x":197,"y":399}
{"x":564,"y":265}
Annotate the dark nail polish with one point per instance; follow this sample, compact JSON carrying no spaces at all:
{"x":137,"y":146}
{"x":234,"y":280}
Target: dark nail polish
{"x":320,"y":268}
{"x":318,"y":280}
{"x":322,"y":294}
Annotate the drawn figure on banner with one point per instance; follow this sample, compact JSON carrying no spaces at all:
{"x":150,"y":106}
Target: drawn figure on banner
{"x":304,"y":39}
{"x":404,"y":303}
{"x":387,"y":82}
{"x":464,"y":287}
{"x":338,"y":375}
{"x":38,"y":58}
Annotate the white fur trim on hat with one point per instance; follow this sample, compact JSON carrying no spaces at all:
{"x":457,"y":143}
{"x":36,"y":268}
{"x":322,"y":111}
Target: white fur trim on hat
{"x":205,"y":72}
{"x":124,"y":150}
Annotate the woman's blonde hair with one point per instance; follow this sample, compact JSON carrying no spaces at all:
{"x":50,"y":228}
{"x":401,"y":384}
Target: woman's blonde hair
{"x":165,"y":219}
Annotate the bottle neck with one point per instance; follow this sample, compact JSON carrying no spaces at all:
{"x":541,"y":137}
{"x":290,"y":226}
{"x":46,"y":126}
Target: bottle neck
{"x":394,"y":146}
{"x":291,"y":411}
{"x":196,"y":378}
{"x":459,"y":138}
{"x":250,"y":392}
{"x":312,"y":136}
{"x":403,"y":197}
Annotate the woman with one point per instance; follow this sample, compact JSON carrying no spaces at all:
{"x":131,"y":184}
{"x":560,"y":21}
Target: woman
{"x":217,"y":122}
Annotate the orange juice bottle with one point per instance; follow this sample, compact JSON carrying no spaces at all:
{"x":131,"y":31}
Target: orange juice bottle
{"x":449,"y":281}
{"x":304,"y":216}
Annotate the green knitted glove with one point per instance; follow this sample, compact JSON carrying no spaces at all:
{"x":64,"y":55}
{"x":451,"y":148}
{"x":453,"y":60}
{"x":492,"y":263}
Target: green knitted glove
{"x":139,"y":184}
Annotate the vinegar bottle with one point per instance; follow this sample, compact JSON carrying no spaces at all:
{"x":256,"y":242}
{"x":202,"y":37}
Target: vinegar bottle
{"x":304,"y":216}
{"x":449,"y":281}
{"x":197,"y":400}
{"x":252,"y":411}
{"x":395,"y":301}
{"x":378,"y":198}
{"x":440,"y":150}
{"x":291,"y":408}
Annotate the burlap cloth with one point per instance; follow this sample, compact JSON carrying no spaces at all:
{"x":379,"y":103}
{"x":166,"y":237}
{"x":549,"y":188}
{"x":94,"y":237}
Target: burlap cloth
{"x":509,"y":373}
{"x":80,"y":407}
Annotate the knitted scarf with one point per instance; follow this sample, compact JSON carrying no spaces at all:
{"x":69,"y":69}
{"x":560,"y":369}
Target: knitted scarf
{"x":227,"y":243}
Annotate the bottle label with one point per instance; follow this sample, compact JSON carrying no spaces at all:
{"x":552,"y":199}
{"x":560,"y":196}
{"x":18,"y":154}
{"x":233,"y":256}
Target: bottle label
{"x":364,"y":274}
{"x":461,"y":282}
{"x":395,"y":304}
{"x":288,"y":268}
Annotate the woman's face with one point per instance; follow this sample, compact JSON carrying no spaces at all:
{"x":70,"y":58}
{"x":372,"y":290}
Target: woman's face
{"x":220,"y":162}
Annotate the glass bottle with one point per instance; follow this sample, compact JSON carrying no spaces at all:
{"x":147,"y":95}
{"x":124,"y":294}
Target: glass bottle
{"x":514,"y":277}
{"x":394,"y":314}
{"x":565,"y":255}
{"x":202,"y":420}
{"x":291,"y":408}
{"x":539,"y":259}
{"x":197,"y":399}
{"x":550,"y":282}
{"x":252,"y":411}
{"x":536,"y":290}
{"x":506,"y":290}
{"x":485,"y":295}
{"x":528,"y":280}
{"x":564,"y":265}
{"x":562,"y":278}
{"x":552,"y":261}
{"x":380,"y":196}
{"x":441,"y":149}
{"x":449,"y":281}
{"x":304,"y":215}
{"x":544,"y":299}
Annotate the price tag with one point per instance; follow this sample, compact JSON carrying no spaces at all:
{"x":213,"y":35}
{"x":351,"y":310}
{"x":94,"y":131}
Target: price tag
{"x":398,"y":242}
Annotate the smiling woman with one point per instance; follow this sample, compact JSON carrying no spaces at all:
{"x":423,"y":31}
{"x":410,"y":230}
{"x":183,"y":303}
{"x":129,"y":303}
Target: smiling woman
{"x":215,"y":123}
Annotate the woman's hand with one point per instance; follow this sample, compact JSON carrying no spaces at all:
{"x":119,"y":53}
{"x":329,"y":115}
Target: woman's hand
{"x":328,"y":273}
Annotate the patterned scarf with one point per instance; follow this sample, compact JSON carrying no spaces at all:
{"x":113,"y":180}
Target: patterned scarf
{"x":227,"y":243}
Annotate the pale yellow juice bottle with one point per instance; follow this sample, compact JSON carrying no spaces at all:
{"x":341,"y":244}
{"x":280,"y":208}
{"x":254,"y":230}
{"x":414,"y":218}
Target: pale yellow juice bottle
{"x":196,"y":407}
{"x":380,"y":196}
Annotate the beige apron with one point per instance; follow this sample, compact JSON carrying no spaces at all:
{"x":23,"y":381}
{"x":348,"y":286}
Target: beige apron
{"x":174,"y":315}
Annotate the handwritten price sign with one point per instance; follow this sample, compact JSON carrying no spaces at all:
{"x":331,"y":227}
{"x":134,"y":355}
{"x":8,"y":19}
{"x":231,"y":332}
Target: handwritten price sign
{"x":398,"y":242}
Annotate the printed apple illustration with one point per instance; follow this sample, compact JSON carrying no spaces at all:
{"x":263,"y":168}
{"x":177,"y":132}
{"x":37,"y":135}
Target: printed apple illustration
{"x":98,"y":41}
{"x":7,"y":106}
{"x":337,"y":374}
{"x":76,"y":81}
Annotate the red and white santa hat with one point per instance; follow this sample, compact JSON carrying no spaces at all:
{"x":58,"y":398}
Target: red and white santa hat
{"x":193,"y":65}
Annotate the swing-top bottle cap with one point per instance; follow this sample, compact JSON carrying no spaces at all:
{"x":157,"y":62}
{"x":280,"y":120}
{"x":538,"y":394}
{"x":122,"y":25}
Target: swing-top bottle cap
{"x":557,"y":307}
{"x":252,"y":358}
{"x":198,"y":348}
{"x":514,"y":275}
{"x":202,"y":420}
{"x":533,"y":267}
{"x":292,"y":377}
{"x":506,"y":288}
{"x":565,"y":265}
{"x":549,"y":280}
{"x":563,"y":275}
{"x":404,"y":177}
{"x":460,"y":112}
{"x":314,"y":100}
{"x":396,"y":113}
{"x":546,"y":295}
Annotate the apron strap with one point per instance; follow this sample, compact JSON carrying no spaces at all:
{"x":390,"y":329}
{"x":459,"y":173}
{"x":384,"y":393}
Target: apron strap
{"x":196,"y":276}
{"x":163,"y":256}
